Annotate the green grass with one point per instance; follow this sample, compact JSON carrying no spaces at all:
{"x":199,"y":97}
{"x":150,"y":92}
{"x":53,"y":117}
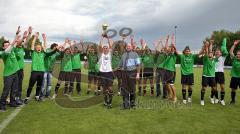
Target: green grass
{"x":48,"y":117}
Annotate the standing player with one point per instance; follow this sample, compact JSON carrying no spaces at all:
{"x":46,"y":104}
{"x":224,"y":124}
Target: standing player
{"x":187,"y":77}
{"x":106,"y":72}
{"x":235,"y":71}
{"x":93,"y":69}
{"x":65,"y":70}
{"x":10,"y":77}
{"x":220,"y":55}
{"x":116,"y":57}
{"x":38,"y":67}
{"x":161,"y":59}
{"x":208,"y":78}
{"x":20,"y":53}
{"x":76,"y":66}
{"x":49,"y":64}
{"x":148,"y":64}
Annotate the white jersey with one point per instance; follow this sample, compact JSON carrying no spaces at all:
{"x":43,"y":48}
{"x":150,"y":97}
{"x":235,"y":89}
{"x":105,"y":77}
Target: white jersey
{"x":105,"y":62}
{"x":219,"y":67}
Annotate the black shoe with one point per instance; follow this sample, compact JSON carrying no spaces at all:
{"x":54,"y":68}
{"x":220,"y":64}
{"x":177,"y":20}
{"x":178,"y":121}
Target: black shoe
{"x":88,"y":92}
{"x":26,"y":101}
{"x":139,"y":93}
{"x":124,"y":107}
{"x":3,"y":108}
{"x":232,"y":103}
{"x":41,"y":99}
{"x":133,"y":105}
{"x":109,"y":106}
{"x":19,"y":102}
{"x":105,"y":104}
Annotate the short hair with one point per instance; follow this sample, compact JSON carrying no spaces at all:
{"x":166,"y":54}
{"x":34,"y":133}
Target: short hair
{"x":186,"y":48}
{"x":67,"y":49}
{"x":6,"y":41}
{"x":53,"y":45}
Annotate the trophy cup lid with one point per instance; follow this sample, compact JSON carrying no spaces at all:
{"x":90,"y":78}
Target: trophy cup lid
{"x":104,"y":26}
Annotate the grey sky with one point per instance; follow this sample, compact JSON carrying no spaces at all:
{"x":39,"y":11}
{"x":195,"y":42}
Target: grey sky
{"x":149,"y":19}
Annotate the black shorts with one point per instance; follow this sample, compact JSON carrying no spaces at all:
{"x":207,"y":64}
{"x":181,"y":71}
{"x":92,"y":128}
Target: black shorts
{"x":169,"y":76}
{"x":219,"y":77}
{"x":117,"y":74}
{"x":235,"y":83}
{"x":64,"y":76}
{"x":187,"y":79}
{"x":148,"y":73}
{"x":208,"y":81}
{"x":106,"y":79}
{"x":93,"y":76}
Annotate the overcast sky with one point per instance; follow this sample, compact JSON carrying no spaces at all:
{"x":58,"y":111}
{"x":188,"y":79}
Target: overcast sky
{"x":149,"y":19}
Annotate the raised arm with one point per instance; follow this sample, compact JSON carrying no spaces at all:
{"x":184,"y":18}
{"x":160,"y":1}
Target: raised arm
{"x":12,"y":45}
{"x":110,"y":43}
{"x":236,"y":42}
{"x":34,"y":40}
{"x":29,"y":34}
{"x":44,"y":42}
{"x":100,"y":46}
{"x":211,"y":46}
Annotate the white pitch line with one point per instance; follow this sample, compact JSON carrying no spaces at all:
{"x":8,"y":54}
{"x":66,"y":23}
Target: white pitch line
{"x":10,"y":118}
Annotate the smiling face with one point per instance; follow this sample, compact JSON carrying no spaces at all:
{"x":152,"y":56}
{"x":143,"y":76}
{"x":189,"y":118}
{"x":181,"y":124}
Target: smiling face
{"x":129,"y":47}
{"x":105,"y":50}
{"x":6,"y":45}
{"x":218,"y":53}
{"x":238,"y":55}
{"x":38,"y":48}
{"x":67,"y":51}
{"x":187,"y":52}
{"x":91,"y":50}
{"x":210,"y":55}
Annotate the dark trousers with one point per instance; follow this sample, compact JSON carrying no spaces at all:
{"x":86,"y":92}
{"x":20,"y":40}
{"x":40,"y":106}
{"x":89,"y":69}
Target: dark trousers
{"x":36,"y":76}
{"x":159,"y":77}
{"x":128,"y":87}
{"x":75,"y":74}
{"x":10,"y":85}
{"x":20,"y":74}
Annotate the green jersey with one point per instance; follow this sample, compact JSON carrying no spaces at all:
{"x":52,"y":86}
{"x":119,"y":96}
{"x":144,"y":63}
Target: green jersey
{"x":20,"y":53}
{"x":170,"y":62}
{"x":66,"y":63}
{"x":38,"y":61}
{"x":115,"y":61}
{"x":10,"y":63}
{"x":76,"y":61}
{"x":187,"y":62}
{"x":235,"y":71}
{"x":148,"y":60}
{"x":208,"y":66}
{"x":50,"y":60}
{"x":93,"y":63}
{"x":161,"y":60}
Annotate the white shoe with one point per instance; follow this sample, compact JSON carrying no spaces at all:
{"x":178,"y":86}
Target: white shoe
{"x":189,"y":99}
{"x":54,"y":96}
{"x":119,"y":93}
{"x":212,"y":100}
{"x":184,"y":101}
{"x":202,"y":102}
{"x":222,"y":102}
{"x":37,"y":97}
{"x":216,"y":101}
